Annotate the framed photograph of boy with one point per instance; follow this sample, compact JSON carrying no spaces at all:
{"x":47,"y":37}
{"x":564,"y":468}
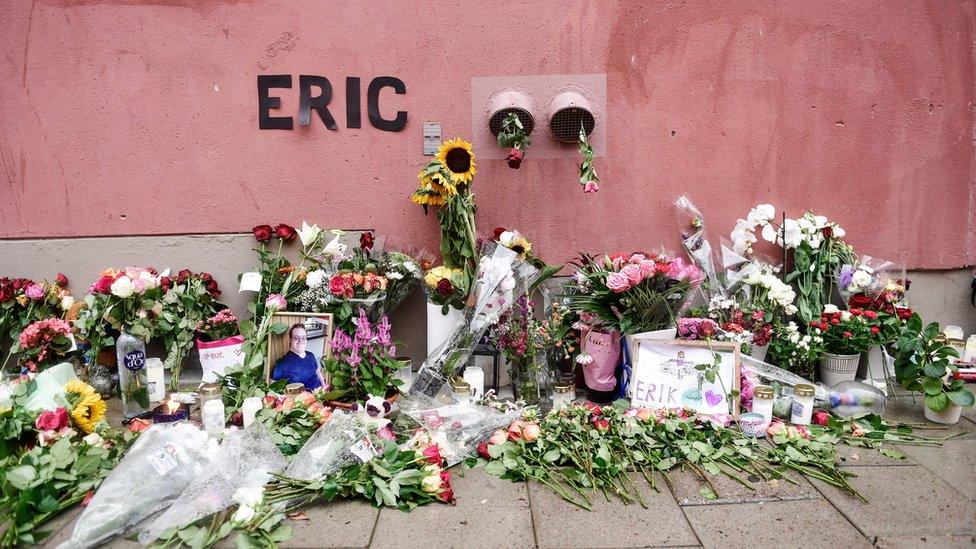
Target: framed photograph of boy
{"x":296,"y":354}
{"x":667,"y":375}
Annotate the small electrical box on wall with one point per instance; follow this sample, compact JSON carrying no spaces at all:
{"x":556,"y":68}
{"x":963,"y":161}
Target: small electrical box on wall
{"x":552,"y":108}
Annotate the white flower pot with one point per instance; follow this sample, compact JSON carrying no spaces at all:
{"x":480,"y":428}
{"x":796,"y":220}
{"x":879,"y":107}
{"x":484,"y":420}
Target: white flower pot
{"x":872,"y":365}
{"x":835,"y":369}
{"x":440,"y":326}
{"x":949,"y":416}
{"x":759,"y":353}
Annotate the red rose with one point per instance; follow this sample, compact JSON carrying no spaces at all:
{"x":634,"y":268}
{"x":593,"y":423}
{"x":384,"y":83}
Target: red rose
{"x":848,"y":334}
{"x":237,"y":418}
{"x":262,"y":233}
{"x":285,"y":232}
{"x":102,"y":285}
{"x":52,"y":420}
{"x":904,"y":313}
{"x":497,"y":233}
{"x":859,"y":301}
{"x":593,"y":408}
{"x":206,"y":277}
{"x":139,"y":425}
{"x":601,"y":424}
{"x":483,"y":450}
{"x":6,"y":293}
{"x":19,"y":283}
{"x":213,"y":289}
{"x":706,"y":329}
{"x":514,"y":158}
{"x":828,"y":232}
{"x":875,"y":330}
{"x":856,"y":311}
{"x":433,"y":454}
{"x":366,"y":241}
{"x":166,"y":283}
{"x":824,"y":326}
{"x":183,"y":275}
{"x":444,"y":287}
{"x":61,"y":280}
{"x":336,"y":286}
{"x":871,"y":314}
{"x":835,"y":321}
{"x":447,"y":496}
{"x":820,"y":418}
{"x":88,"y":497}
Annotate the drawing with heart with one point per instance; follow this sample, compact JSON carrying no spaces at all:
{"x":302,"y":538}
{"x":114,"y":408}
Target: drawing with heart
{"x":712,"y":398}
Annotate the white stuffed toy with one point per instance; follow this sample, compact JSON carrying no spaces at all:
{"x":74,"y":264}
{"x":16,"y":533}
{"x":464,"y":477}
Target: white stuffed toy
{"x":374,"y":411}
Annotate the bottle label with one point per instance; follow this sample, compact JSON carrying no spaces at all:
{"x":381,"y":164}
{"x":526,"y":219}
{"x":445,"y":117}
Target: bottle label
{"x":797,"y":411}
{"x":134,"y":360}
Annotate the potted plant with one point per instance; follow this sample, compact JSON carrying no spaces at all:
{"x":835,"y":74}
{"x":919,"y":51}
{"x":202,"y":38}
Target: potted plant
{"x":846,"y":334}
{"x":924,"y":364}
{"x":363,"y":364}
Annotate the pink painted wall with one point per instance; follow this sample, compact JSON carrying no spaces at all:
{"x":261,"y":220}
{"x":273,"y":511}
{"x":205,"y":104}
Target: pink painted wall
{"x":140,"y":117}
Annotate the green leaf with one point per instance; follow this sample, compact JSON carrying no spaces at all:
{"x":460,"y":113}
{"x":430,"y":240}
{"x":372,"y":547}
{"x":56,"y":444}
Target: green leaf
{"x":20,"y":477}
{"x":932,"y":385}
{"x":937,"y":403}
{"x":894,"y":454}
{"x":962,"y":397}
{"x":707,"y":492}
{"x":551,"y":456}
{"x":495,"y":467}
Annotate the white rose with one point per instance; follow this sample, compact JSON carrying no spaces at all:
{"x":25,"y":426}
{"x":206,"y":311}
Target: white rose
{"x":845,"y":315}
{"x":838,"y":232}
{"x":507,"y":238}
{"x":149,"y":280}
{"x":819,"y":221}
{"x":431,"y":483}
{"x":243,"y":514}
{"x":122,"y":287}
{"x":249,"y":495}
{"x":861,"y":279}
{"x":830,"y":309}
{"x":66,"y":302}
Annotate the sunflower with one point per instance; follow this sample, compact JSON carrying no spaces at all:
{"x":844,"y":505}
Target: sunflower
{"x":88,"y":408}
{"x":456,"y":156}
{"x":434,"y":189}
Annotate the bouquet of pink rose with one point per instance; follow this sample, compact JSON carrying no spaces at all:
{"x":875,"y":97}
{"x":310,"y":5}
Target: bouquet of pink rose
{"x":41,"y":343}
{"x":634,"y":292}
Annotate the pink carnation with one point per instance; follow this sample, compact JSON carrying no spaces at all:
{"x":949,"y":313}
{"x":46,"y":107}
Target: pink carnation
{"x":618,"y":282}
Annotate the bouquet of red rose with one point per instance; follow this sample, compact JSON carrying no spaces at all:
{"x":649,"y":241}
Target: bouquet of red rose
{"x":846,"y":332}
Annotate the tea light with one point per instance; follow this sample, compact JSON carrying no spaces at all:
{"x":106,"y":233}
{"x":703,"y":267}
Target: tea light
{"x":753,"y":424}
{"x":250,"y":409}
{"x":155,"y":380}
{"x":170,"y":411}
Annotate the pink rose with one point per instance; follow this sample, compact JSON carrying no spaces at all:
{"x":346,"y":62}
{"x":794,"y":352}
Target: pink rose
{"x":777,"y":427}
{"x":618,"y":282}
{"x":591,"y":187}
{"x":647,"y":267}
{"x":498,"y":437}
{"x":52,"y":420}
{"x":531,"y":431}
{"x":644,"y":414}
{"x":34,"y":291}
{"x":633,"y":274}
{"x":276,"y":302}
{"x":336,"y":286}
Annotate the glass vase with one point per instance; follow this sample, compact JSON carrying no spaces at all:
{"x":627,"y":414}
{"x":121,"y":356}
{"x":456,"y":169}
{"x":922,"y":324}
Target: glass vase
{"x":133,"y":386}
{"x":531,"y":380}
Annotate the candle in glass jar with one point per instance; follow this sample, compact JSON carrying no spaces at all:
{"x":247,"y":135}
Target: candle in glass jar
{"x":250,"y":409}
{"x":213,"y":416}
{"x":762,"y":402}
{"x":155,"y":380}
{"x":170,"y":411}
{"x":563,"y":394}
{"x":802,"y":409}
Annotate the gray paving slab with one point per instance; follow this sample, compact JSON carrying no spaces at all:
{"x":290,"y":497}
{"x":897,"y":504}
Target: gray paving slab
{"x":561,"y":524}
{"x":937,"y":542}
{"x":61,"y":526}
{"x":491,"y":512}
{"x":338,"y":524}
{"x":903,"y":501}
{"x":954,"y":462}
{"x":803,"y":523}
{"x":686,"y":487}
{"x":853,"y":456}
{"x":909,"y":410}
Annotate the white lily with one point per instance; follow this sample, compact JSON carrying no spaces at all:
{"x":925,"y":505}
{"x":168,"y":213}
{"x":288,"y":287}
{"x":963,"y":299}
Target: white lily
{"x":309,"y":234}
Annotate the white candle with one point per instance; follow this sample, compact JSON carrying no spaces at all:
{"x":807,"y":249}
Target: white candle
{"x":250,"y":409}
{"x":213,"y":416}
{"x":155,"y":380}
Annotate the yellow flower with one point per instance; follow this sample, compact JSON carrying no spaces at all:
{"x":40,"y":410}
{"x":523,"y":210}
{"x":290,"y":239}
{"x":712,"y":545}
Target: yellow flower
{"x":457,"y":157}
{"x":88,"y":407}
{"x":437,"y":274}
{"x":89,"y":411}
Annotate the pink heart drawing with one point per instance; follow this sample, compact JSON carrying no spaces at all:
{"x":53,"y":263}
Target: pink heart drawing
{"x":712,"y":398}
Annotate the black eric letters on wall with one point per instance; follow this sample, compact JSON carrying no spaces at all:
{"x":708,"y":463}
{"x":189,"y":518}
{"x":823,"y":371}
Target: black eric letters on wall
{"x":315,"y":93}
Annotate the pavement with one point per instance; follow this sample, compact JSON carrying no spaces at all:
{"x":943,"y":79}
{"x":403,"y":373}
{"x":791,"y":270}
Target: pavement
{"x":927,"y":499}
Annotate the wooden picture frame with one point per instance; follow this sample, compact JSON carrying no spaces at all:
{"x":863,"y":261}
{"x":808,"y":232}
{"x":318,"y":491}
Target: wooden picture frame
{"x":279,"y":344}
{"x":663,"y":371}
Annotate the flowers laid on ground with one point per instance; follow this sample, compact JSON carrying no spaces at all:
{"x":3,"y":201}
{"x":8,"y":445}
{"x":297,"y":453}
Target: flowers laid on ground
{"x":514,"y":137}
{"x":43,"y":343}
{"x":634,"y":292}
{"x":364,"y":363}
{"x":587,"y":172}
{"x":51,"y":460}
{"x":445,"y":183}
{"x":581,"y":450}
{"x":291,"y":419}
